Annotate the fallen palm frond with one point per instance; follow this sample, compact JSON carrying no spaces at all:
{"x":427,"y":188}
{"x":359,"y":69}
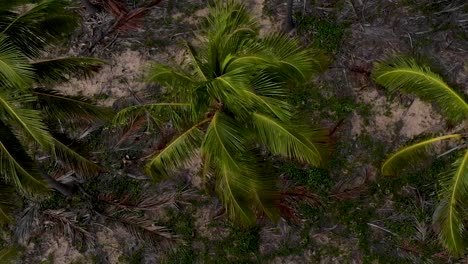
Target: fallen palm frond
{"x":145,"y":229}
{"x":65,"y":222}
{"x":150,"y":202}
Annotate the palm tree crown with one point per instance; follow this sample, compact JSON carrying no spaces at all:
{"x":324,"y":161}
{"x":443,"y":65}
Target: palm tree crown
{"x":229,"y":97}
{"x":408,"y":76}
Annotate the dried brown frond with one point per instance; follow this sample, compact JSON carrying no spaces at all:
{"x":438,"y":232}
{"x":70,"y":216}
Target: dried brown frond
{"x":131,"y":130}
{"x":65,"y":222}
{"x":145,"y":229}
{"x":26,"y":224}
{"x":290,"y":198}
{"x":301,"y":194}
{"x":150,"y":202}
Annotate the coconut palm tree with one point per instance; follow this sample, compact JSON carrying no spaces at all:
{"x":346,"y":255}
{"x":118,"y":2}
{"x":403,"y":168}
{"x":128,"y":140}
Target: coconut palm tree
{"x":228,"y":99}
{"x":406,"y":75}
{"x":29,"y":110}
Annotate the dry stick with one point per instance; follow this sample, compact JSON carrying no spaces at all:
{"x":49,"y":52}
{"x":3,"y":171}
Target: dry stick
{"x":383,"y":229}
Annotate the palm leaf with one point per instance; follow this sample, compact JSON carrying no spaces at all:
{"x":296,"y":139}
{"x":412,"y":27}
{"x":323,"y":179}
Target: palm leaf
{"x":450,"y":212}
{"x":239,"y":183}
{"x":15,"y":71}
{"x":222,"y":142}
{"x":176,"y":153}
{"x":411,"y":154}
{"x":7,"y":204}
{"x":61,"y":69}
{"x":158,"y":110}
{"x":168,"y":76}
{"x":287,"y":140}
{"x":30,"y":121}
{"x":65,"y":107}
{"x":9,"y":255}
{"x":16,"y":166}
{"x":72,"y":159}
{"x":294,"y":62}
{"x":407,"y":75}
{"x":45,"y":23}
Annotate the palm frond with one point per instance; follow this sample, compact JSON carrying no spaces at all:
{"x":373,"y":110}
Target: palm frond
{"x":407,"y":75}
{"x":7,"y":204}
{"x":9,"y":255}
{"x":287,"y":140}
{"x":28,"y":120}
{"x":176,"y":153}
{"x":450,"y":212}
{"x":43,"y":24}
{"x":228,"y":19}
{"x":411,"y":154}
{"x":239,"y":183}
{"x":162,"y":111}
{"x":293,"y":62}
{"x":16,"y":166}
{"x":72,"y":159}
{"x":64,"y":222}
{"x":15,"y":71}
{"x":61,"y":69}
{"x":9,"y":5}
{"x":168,"y":76}
{"x":66,"y":107}
{"x":145,"y":229}
{"x":222,"y":142}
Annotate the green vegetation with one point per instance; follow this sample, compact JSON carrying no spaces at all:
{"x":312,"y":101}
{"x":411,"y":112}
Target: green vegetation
{"x":406,"y":75}
{"x":325,"y":34}
{"x":31,"y":113}
{"x":233,"y":93}
{"x":237,"y":118}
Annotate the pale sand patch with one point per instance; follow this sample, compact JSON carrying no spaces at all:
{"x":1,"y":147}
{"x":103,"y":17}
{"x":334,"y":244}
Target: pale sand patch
{"x":62,"y":251}
{"x":266,"y":24}
{"x":109,"y":244}
{"x":394,"y":119}
{"x":117,"y":79}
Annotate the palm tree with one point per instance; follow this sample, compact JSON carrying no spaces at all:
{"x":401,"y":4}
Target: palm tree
{"x":227,"y":101}
{"x":405,"y":74}
{"x":29,"y":110}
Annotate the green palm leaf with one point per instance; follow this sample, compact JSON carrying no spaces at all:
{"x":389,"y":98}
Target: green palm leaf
{"x":65,"y":107}
{"x":162,"y":111}
{"x":450,"y":212}
{"x":45,"y":23}
{"x":15,"y":71}
{"x":405,"y":74}
{"x":169,"y":76}
{"x":411,"y":154}
{"x":30,"y":121}
{"x":9,"y":255}
{"x":222,"y":143}
{"x":287,"y":140}
{"x":293,"y":61}
{"x":176,"y":153}
{"x":61,"y":69}
{"x":7,"y":203}
{"x":72,"y":159}
{"x":16,"y":166}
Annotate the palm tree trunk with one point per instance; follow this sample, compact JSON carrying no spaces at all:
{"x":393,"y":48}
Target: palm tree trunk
{"x":58,"y":186}
{"x":289,"y":23}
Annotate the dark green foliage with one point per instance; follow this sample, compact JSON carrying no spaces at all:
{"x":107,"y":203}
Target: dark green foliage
{"x":315,"y":179}
{"x":325,"y":34}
